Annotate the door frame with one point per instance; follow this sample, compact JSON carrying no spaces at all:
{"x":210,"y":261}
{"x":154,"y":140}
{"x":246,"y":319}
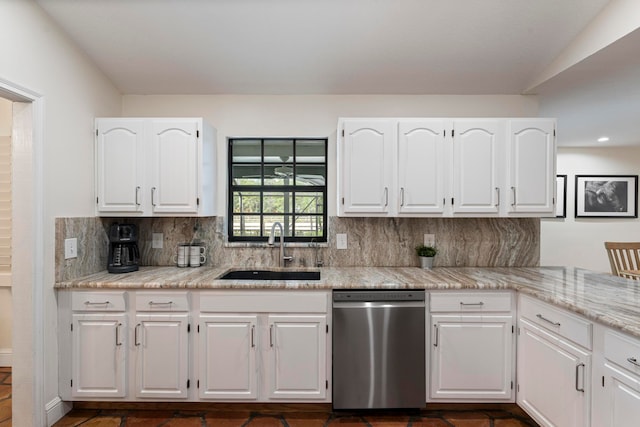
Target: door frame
{"x":27,"y":254}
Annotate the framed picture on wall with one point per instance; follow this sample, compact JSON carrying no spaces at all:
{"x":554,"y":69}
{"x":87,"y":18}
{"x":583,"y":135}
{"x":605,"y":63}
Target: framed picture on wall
{"x":606,"y":196}
{"x":561,"y":196}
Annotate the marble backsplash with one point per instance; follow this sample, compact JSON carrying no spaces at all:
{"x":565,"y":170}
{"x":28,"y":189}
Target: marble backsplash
{"x":390,"y":242}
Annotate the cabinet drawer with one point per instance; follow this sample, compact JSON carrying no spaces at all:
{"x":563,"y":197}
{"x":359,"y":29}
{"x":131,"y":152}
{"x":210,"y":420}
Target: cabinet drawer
{"x":262,"y":302}
{"x":557,"y":320}
{"x":622,"y":350}
{"x":162,"y":301}
{"x":470,"y":301}
{"x":98,"y":301}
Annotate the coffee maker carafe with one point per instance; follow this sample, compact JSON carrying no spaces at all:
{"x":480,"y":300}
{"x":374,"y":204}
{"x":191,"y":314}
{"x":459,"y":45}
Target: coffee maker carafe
{"x":123,"y":248}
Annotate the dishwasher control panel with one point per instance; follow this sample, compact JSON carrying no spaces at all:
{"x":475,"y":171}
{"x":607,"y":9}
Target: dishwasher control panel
{"x":368,"y":295}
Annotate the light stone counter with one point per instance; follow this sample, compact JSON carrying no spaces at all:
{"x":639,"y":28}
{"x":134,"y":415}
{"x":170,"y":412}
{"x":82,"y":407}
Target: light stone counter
{"x":609,"y":300}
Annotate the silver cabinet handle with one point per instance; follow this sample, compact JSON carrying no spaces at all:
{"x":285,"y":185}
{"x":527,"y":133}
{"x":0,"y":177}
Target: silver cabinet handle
{"x":498,"y":193}
{"x":480,"y":304}
{"x":386,"y":196}
{"x":271,"y":335}
{"x":253,"y":331}
{"x":153,"y":192}
{"x":401,"y":196}
{"x":541,"y":317}
{"x":137,"y":191}
{"x":96,"y":303}
{"x":135,"y":334}
{"x":633,"y":361}
{"x":118,"y":343}
{"x":513,"y":189}
{"x":152,"y":303}
{"x":435,"y":341}
{"x":577,"y":377}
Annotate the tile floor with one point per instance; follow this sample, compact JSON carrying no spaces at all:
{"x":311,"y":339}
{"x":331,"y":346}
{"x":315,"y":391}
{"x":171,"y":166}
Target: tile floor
{"x":227,"y":415}
{"x":5,"y":397}
{"x":99,"y":414}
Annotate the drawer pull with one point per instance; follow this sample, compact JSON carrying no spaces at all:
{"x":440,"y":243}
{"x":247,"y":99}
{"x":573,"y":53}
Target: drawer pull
{"x":479,"y":304}
{"x":253,"y":331}
{"x":271,"y":335}
{"x":152,"y":303}
{"x":96,"y":303}
{"x":633,"y":361}
{"x":541,"y":317}
{"x":577,"y":377}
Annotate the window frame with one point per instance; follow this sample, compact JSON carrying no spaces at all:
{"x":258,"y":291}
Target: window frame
{"x":261,"y":189}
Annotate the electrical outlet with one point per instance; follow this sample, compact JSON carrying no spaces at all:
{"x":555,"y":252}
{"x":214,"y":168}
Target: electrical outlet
{"x":341,"y":241}
{"x":70,"y":248}
{"x":429,"y":239}
{"x":157,"y":240}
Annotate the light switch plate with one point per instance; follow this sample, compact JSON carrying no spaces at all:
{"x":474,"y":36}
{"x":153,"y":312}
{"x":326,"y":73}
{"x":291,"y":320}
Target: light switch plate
{"x":70,"y":248}
{"x":341,"y":241}
{"x":157,"y":240}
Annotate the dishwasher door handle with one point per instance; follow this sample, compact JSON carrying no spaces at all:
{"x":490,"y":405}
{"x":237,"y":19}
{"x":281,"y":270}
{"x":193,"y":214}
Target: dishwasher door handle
{"x":379,"y":304}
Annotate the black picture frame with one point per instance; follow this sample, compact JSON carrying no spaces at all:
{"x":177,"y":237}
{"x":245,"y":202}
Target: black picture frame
{"x":561,"y":196}
{"x":606,"y":196}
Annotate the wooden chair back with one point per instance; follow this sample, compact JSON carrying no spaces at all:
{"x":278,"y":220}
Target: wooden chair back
{"x":624,"y":256}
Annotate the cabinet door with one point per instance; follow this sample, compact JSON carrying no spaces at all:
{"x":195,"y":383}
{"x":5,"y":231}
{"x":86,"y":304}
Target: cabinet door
{"x":99,"y":355}
{"x":553,"y":378}
{"x":161,"y":355}
{"x":476,"y":163}
{"x":297,"y":357}
{"x":367,"y":154}
{"x":120,"y":165}
{"x":422,"y":167}
{"x":532,"y":172}
{"x":227,"y":356}
{"x":472,"y":357}
{"x":174,"y":165}
{"x":621,"y":398}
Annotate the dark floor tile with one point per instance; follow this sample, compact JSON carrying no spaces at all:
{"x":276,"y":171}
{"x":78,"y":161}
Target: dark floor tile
{"x":226,"y":418}
{"x":512,"y":422}
{"x":388,"y":421}
{"x":76,"y":417}
{"x":347,"y":421}
{"x":429,"y":422}
{"x":103,"y":421}
{"x":265,"y":421}
{"x":147,"y":418}
{"x":195,"y":421}
{"x":307,"y":419}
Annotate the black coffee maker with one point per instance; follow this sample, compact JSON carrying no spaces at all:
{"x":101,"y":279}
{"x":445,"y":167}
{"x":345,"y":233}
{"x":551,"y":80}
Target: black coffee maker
{"x":123,"y":248}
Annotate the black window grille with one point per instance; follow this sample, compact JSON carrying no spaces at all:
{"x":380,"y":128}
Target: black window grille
{"x":277,"y":180}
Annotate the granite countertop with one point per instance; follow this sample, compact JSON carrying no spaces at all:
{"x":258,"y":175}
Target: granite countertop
{"x":601,"y":297}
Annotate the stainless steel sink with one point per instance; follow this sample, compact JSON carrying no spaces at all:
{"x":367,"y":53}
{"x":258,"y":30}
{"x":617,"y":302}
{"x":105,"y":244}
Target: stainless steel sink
{"x":271,"y":275}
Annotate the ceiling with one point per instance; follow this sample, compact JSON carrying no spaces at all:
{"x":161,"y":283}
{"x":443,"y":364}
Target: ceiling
{"x":352,"y":47}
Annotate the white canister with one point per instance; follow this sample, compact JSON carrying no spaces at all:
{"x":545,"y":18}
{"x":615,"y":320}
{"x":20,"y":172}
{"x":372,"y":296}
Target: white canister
{"x":181,"y":258}
{"x":197,"y":255}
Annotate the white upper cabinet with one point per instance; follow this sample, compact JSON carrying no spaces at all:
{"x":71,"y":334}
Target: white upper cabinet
{"x":366,"y":172}
{"x":155,"y":166}
{"x":119,"y":165}
{"x":476,"y":148}
{"x":532,"y":155}
{"x":421,"y":166}
{"x":446,"y":167}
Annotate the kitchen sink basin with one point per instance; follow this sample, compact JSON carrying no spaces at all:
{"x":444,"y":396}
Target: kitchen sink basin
{"x":271,"y":275}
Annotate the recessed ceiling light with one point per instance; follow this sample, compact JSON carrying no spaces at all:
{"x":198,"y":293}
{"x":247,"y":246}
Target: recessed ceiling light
{"x":603,"y":139}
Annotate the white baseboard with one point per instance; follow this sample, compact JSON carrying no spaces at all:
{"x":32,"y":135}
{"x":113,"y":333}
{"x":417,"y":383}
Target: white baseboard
{"x":5,"y":357}
{"x":56,"y":409}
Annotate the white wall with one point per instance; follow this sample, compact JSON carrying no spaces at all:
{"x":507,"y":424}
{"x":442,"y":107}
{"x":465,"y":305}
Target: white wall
{"x":5,"y":292}
{"x":38,"y":57}
{"x":579,"y":242}
{"x":315,"y":115}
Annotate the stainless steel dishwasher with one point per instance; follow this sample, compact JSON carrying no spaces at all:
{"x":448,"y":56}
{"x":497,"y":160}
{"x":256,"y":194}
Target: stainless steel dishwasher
{"x":379,"y":349}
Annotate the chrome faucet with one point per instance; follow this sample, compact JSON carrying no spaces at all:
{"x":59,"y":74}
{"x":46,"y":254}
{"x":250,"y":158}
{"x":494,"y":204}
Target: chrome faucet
{"x":283,"y":258}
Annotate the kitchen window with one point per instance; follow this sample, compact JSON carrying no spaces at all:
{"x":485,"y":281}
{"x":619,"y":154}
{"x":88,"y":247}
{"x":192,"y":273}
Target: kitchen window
{"x":277,"y":180}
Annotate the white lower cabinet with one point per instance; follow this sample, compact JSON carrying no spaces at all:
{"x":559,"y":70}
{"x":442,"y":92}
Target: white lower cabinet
{"x":616,"y":382}
{"x":227,"y":346}
{"x":263,"y":346}
{"x":99,"y":355}
{"x":554,"y":373}
{"x":472,"y":347}
{"x":160,"y":350}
